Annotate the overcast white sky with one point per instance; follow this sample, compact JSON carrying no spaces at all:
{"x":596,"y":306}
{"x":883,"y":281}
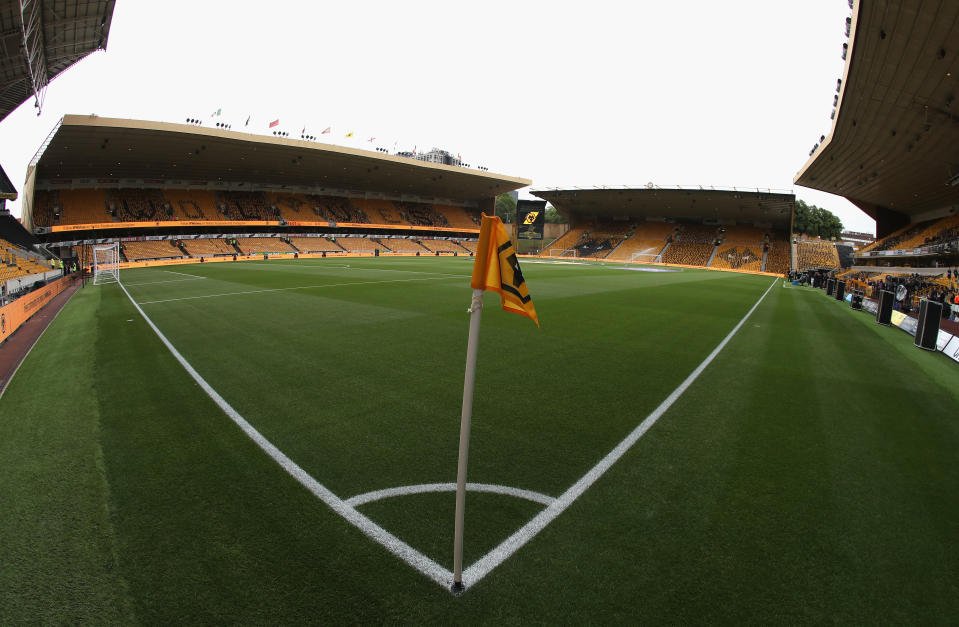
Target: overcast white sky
{"x":698,"y":92}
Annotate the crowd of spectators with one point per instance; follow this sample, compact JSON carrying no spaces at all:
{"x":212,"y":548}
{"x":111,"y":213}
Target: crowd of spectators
{"x":942,"y":288}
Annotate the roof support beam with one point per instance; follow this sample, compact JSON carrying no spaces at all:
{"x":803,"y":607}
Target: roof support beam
{"x":31,"y":14}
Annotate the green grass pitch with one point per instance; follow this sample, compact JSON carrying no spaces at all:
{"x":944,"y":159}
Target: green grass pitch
{"x":808,"y":475}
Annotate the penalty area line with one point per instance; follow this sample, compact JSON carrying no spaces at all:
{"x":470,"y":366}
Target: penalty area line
{"x":527,"y":532}
{"x":369,"y":528}
{"x":195,"y":276}
{"x":287,"y":289}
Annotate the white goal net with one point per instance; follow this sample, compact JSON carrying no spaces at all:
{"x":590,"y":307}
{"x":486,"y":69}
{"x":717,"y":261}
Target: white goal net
{"x":646,"y":258}
{"x":556,"y":252}
{"x":106,"y":263}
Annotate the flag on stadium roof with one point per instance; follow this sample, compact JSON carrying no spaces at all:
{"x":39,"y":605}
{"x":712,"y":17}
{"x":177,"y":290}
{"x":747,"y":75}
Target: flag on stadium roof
{"x":350,"y":134}
{"x":216,"y":113}
{"x":303,"y":131}
{"x":248,"y":120}
{"x":371,"y":139}
{"x":495,"y":268}
{"x":327,"y":131}
{"x":274,"y":123}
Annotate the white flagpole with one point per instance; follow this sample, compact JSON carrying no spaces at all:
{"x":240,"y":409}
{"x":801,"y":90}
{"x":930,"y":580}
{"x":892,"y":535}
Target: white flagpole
{"x":476,"y":311}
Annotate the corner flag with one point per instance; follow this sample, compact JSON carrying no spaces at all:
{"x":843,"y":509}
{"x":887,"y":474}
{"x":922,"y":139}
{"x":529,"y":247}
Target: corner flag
{"x":496,"y":269}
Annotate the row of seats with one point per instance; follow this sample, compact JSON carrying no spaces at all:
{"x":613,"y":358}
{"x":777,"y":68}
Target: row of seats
{"x":207,"y":247}
{"x":737,"y":257}
{"x":162,"y":249}
{"x":688,"y":253}
{"x":92,"y":206}
{"x":15,"y":262}
{"x":170,"y":249}
{"x":814,"y":253}
{"x":925,"y":233}
{"x":777,"y":258}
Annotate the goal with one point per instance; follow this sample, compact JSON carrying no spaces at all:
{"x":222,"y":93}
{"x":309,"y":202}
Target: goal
{"x":556,"y":252}
{"x":646,"y":258}
{"x":106,"y":263}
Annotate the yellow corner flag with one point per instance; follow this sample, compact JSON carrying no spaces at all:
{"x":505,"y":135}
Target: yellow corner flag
{"x":496,"y":268}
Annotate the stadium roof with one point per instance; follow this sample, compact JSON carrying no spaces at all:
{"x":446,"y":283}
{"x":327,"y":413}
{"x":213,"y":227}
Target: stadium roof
{"x":107,"y":150}
{"x":7,"y":190}
{"x":743,"y":207}
{"x":41,"y":38}
{"x":894,"y":143}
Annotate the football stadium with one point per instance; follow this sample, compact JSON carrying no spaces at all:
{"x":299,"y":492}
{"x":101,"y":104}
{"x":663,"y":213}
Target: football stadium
{"x":232,"y":382}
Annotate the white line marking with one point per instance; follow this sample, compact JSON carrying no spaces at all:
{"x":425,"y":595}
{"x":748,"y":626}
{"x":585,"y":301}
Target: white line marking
{"x":369,"y":497}
{"x":527,"y":532}
{"x":287,"y":289}
{"x":165,"y":281}
{"x":408,"y":554}
{"x":195,"y":276}
{"x":321,"y":266}
{"x":393,"y":544}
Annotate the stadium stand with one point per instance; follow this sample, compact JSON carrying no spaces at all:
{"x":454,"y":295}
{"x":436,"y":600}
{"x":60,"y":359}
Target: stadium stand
{"x":16,"y":262}
{"x":777,"y":257}
{"x":334,"y":209}
{"x":567,"y":240}
{"x":648,"y":237}
{"x":926,"y":233}
{"x":139,"y":251}
{"x":442,"y":246}
{"x":317,"y":244}
{"x":90,"y":206}
{"x":132,"y":205}
{"x":420,"y":214}
{"x":470,"y":246}
{"x":258,"y":245}
{"x":742,"y":235}
{"x":233,"y":205}
{"x":84,"y":206}
{"x":381,"y":211}
{"x":738,"y":257}
{"x":692,"y":244}
{"x":404,"y":246}
{"x":207,"y":247}
{"x":814,"y":253}
{"x":46,"y":208}
{"x":460,"y":217}
{"x":688,"y":253}
{"x":602,"y":238}
{"x":191,"y":204}
{"x":360,"y":245}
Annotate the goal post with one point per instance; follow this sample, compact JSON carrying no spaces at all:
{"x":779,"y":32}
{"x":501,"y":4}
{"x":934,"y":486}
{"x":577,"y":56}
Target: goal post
{"x":559,"y":252}
{"x":106,"y":263}
{"x":646,"y":258}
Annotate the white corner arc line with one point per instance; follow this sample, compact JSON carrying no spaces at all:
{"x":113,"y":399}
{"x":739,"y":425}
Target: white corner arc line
{"x":393,"y":544}
{"x":527,"y":532}
{"x":423,"y":488}
{"x":288,"y":289}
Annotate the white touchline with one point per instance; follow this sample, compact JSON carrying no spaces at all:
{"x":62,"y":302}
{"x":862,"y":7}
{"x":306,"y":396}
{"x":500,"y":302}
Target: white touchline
{"x":527,"y":532}
{"x":393,"y":544}
{"x":287,"y":289}
{"x":423,"y":488}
